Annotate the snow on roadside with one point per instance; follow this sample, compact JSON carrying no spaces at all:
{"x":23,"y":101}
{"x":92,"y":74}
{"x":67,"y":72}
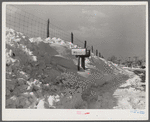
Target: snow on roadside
{"x":34,"y":71}
{"x":43,"y":74}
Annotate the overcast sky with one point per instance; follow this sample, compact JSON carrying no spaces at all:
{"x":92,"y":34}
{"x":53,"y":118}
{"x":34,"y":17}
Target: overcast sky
{"x":112,"y":29}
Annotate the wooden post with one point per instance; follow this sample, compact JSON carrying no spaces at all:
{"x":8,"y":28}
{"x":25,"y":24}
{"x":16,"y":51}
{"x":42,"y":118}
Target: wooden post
{"x":71,"y":37}
{"x":83,"y":62}
{"x":90,"y":52}
{"x":96,"y":52}
{"x":78,"y":63}
{"x":83,"y":58}
{"x":85,"y":44}
{"x":99,"y":54}
{"x":92,"y":49}
{"x":48,"y":28}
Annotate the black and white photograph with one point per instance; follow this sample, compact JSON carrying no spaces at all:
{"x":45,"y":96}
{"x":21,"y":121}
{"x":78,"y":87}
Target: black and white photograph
{"x":78,"y":60}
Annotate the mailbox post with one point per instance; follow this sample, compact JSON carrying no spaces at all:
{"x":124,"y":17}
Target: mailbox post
{"x":78,"y":63}
{"x":83,"y":58}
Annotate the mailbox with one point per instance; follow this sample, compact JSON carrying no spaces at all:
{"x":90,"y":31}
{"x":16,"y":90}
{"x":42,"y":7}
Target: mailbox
{"x":79,"y":52}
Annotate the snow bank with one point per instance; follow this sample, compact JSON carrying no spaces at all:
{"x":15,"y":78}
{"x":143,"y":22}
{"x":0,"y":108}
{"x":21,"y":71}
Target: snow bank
{"x":43,"y":74}
{"x":34,"y":70}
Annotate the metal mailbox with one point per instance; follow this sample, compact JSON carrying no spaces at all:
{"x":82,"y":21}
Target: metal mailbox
{"x":79,"y":52}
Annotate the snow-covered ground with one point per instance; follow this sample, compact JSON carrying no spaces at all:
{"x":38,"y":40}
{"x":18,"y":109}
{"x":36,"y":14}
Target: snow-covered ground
{"x":42,"y":74}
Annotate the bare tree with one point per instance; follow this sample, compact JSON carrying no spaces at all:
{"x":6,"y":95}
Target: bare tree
{"x":112,"y":58}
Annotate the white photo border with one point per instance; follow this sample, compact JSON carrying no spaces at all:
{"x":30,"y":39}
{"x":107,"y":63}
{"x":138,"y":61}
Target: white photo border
{"x":71,"y":114}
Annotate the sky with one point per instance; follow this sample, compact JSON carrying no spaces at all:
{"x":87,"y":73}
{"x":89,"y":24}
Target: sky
{"x":118,"y":30}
